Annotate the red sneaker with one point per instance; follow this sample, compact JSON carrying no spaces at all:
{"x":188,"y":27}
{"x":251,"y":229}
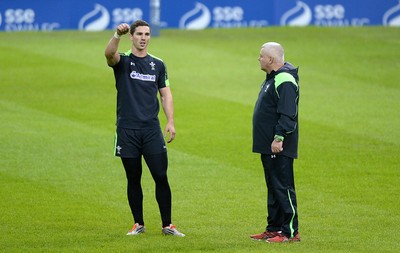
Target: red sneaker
{"x":296,"y":238}
{"x":264,"y":235}
{"x":278,"y":238}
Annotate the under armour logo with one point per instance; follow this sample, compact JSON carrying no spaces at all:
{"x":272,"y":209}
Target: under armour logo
{"x":273,"y":156}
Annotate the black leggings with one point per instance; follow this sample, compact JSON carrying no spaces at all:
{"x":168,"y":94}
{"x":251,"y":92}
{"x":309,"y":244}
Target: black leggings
{"x":158,"y":165}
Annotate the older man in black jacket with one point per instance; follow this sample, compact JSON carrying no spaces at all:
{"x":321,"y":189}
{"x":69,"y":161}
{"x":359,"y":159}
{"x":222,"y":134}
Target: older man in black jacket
{"x":275,"y":137}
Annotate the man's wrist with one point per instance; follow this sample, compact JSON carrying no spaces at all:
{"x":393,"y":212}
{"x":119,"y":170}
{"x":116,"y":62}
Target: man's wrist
{"x":117,"y":36}
{"x":278,"y":138}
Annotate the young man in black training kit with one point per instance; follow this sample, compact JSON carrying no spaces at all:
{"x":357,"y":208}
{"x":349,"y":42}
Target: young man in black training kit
{"x":275,"y":137}
{"x":139,"y":77}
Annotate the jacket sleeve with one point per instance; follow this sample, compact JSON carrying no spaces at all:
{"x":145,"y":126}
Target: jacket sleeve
{"x":287,"y":108}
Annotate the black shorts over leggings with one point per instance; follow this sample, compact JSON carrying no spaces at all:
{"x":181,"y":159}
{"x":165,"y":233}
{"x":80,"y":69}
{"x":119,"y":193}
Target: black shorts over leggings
{"x":132,"y":143}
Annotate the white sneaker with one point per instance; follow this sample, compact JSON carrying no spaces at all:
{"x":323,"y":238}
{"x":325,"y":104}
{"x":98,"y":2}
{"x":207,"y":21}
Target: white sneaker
{"x":171,"y":230}
{"x":137,"y":229}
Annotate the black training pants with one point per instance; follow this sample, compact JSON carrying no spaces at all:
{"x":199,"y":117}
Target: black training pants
{"x":282,"y":203}
{"x":158,"y":165}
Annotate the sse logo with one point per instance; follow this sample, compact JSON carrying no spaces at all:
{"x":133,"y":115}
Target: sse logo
{"x":24,"y":20}
{"x":19,"y":16}
{"x":100,"y":18}
{"x":392,"y":16}
{"x":220,"y":16}
{"x":323,"y":15}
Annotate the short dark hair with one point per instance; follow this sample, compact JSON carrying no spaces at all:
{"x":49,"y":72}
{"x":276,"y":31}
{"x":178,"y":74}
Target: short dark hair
{"x":136,"y":24}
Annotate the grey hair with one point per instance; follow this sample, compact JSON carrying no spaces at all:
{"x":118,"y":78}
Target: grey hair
{"x":274,"y":50}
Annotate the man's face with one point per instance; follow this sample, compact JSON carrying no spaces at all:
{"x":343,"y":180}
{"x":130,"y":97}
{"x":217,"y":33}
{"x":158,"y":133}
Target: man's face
{"x":264,"y":60}
{"x":141,"y":37}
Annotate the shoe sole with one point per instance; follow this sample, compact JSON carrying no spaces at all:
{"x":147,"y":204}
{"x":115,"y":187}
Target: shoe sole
{"x":142,"y":231}
{"x":177,"y":235}
{"x":288,"y":241}
{"x":255,"y":239}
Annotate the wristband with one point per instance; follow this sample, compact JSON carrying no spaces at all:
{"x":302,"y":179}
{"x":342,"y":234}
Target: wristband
{"x":278,"y":138}
{"x":116,"y":35}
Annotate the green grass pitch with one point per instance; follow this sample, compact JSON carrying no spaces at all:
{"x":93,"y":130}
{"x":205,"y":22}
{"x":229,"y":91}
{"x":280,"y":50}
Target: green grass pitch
{"x":62,"y":190}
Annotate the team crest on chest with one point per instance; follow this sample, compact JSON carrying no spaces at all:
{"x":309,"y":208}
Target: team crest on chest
{"x":152,"y":64}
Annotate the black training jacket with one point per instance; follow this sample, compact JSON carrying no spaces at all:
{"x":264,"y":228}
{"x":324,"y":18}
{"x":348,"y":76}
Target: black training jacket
{"x":276,"y":112}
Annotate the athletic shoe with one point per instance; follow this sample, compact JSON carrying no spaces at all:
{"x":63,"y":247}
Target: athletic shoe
{"x":264,"y":235}
{"x":137,"y":229}
{"x":278,"y":238}
{"x":171,"y":230}
{"x":296,"y":238}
